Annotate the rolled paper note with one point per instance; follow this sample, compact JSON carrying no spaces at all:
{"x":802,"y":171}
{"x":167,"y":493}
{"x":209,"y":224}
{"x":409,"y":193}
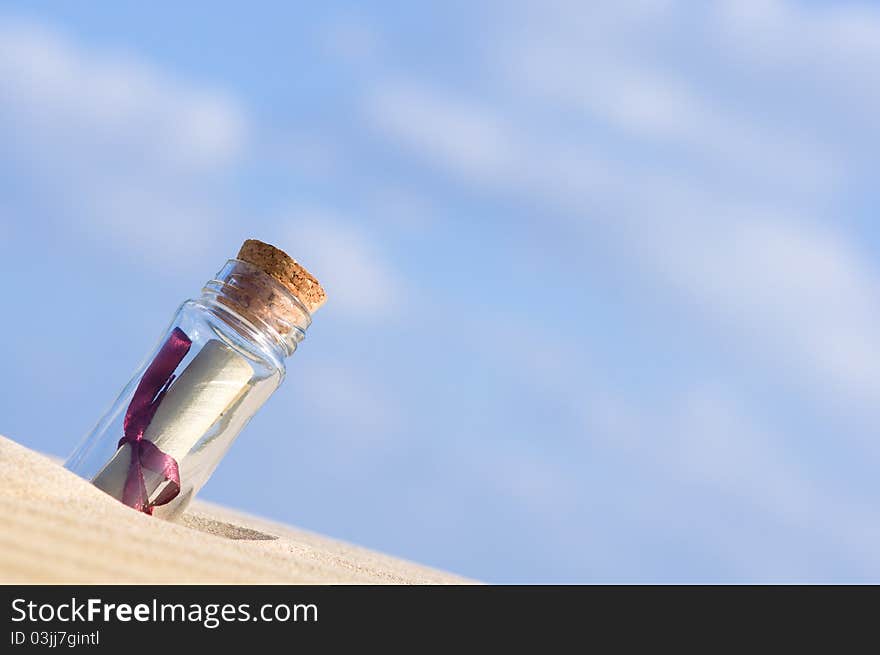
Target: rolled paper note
{"x":214,"y":380}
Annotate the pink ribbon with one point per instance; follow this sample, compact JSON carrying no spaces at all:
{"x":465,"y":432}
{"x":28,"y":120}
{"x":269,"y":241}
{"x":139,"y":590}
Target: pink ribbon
{"x":144,"y":453}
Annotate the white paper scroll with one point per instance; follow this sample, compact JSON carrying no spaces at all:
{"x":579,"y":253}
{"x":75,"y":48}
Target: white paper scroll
{"x":215,"y":379}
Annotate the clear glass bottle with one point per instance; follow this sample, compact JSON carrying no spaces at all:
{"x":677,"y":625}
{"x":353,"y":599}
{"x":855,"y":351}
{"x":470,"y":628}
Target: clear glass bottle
{"x":220,"y":359}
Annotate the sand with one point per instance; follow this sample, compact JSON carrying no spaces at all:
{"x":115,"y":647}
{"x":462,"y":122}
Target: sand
{"x":58,"y":528}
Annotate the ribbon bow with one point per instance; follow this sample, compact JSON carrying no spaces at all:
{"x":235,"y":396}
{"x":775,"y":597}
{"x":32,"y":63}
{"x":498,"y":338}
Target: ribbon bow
{"x":144,"y":453}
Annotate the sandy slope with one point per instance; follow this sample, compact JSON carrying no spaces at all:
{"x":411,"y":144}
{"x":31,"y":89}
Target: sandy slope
{"x":58,"y":528}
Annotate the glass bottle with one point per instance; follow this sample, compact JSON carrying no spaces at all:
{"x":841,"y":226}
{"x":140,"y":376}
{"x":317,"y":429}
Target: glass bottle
{"x":219,"y":360}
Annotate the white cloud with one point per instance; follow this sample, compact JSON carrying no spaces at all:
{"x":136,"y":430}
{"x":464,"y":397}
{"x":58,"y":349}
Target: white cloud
{"x":614,"y":76}
{"x":726,"y":225}
{"x":130,"y":152}
{"x":461,"y":136}
{"x":481,"y":146}
{"x":800,"y":293}
{"x":113,"y":99}
{"x":657,"y":105}
{"x":359,"y":280}
{"x":784,"y":33}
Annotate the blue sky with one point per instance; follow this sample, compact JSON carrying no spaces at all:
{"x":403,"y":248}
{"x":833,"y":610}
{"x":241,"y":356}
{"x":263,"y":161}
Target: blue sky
{"x":603,"y":277}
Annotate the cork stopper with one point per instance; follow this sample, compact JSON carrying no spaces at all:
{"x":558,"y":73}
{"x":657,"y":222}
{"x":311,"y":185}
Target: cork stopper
{"x":286,"y":270}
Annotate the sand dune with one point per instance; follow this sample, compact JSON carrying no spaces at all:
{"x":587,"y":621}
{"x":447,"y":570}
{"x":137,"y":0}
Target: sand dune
{"x":58,"y":528}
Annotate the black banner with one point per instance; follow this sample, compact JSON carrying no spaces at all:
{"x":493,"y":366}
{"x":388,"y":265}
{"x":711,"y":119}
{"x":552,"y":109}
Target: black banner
{"x":159,"y":619}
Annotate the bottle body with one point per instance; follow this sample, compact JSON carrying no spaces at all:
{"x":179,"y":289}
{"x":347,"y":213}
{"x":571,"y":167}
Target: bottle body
{"x":213,"y":368}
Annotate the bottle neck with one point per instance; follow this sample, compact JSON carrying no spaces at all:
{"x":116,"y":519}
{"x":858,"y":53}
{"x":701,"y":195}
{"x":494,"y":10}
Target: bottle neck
{"x":263,"y":303}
